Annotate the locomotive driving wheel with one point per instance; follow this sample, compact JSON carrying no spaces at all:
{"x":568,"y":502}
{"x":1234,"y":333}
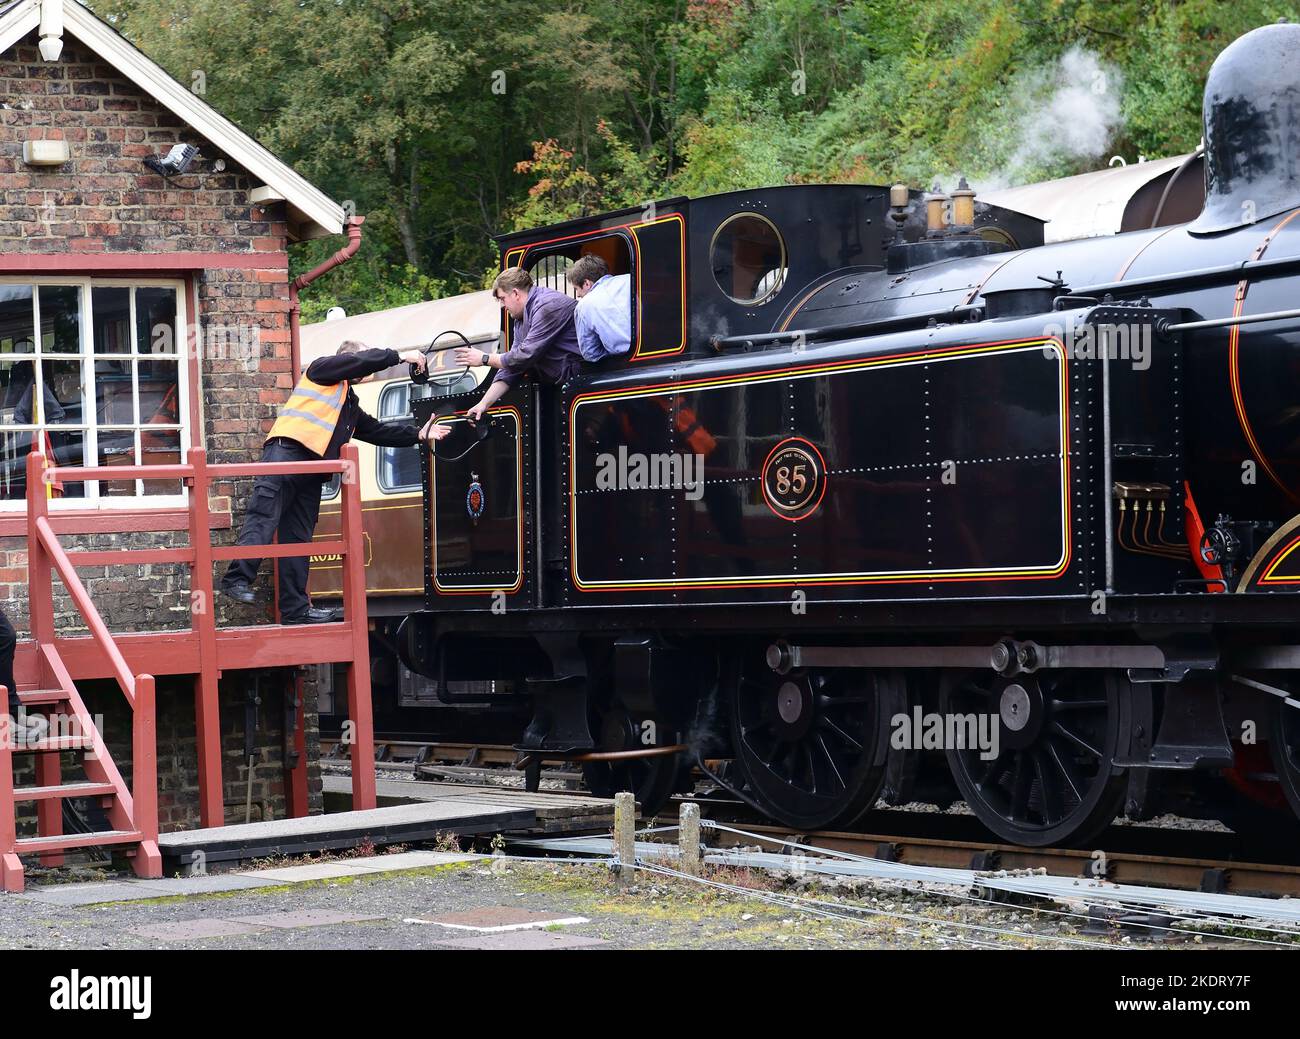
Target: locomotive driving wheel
{"x":1284,"y":744}
{"x":1047,"y":773}
{"x":811,"y":744}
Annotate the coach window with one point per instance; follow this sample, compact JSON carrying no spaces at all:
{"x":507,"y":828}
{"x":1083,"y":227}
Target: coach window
{"x":91,"y":375}
{"x":748,"y":259}
{"x":399,"y":467}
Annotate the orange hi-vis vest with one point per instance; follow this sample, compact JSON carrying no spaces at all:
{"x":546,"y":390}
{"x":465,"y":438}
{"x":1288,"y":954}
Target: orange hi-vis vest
{"x":310,"y":415}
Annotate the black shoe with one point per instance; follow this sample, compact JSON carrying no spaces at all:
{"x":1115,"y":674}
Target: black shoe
{"x":315,"y":616}
{"x":240,"y":592}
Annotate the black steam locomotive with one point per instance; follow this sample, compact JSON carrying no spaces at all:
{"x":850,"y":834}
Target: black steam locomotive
{"x":890,"y":499}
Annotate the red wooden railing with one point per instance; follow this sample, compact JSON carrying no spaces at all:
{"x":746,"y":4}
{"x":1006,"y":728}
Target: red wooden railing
{"x":136,"y":810}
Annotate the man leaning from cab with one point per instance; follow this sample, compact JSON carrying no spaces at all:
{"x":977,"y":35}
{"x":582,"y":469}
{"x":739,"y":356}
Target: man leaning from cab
{"x":603,"y":316}
{"x":546,"y":342}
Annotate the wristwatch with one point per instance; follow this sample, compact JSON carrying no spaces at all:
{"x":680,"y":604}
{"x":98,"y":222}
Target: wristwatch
{"x":485,"y":356}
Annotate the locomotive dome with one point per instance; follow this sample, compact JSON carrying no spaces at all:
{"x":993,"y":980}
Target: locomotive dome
{"x":1252,"y":125}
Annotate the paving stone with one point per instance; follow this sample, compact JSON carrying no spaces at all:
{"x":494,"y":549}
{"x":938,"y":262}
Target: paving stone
{"x":529,"y":941}
{"x":94,"y":893}
{"x":304,"y":918}
{"x":503,"y":918}
{"x":412,"y":860}
{"x":188,"y":930}
{"x":312,"y":871}
{"x":213,"y":883}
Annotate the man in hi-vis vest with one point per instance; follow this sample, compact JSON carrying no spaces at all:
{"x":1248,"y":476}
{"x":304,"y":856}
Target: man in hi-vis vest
{"x":321,"y":416}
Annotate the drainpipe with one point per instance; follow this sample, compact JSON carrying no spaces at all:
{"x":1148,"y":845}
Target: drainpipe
{"x":341,"y":257}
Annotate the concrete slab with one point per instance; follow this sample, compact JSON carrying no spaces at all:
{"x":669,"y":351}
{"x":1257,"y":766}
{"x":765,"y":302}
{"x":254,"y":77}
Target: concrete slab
{"x":494,"y":919}
{"x":213,"y":883}
{"x":131,"y":890}
{"x":192,"y":930}
{"x":413,"y":860}
{"x":528,"y":941}
{"x":93,"y":893}
{"x":311,"y":871}
{"x":304,"y":918}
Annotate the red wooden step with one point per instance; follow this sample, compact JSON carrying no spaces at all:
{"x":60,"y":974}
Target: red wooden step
{"x":45,"y":793}
{"x":30,"y":845}
{"x":59,"y":743}
{"x":35,"y":697}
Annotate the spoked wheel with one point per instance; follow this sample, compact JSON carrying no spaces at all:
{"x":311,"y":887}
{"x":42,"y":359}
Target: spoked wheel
{"x":1284,"y":744}
{"x":811,"y":744}
{"x":653,"y":780}
{"x":1050,"y":775}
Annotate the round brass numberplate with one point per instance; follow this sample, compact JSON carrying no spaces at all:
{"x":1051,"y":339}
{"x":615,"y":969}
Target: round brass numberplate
{"x":794,"y":479}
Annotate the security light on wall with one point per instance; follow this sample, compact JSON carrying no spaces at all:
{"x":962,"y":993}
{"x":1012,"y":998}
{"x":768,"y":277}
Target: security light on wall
{"x":175,"y":162}
{"x":45,"y":153}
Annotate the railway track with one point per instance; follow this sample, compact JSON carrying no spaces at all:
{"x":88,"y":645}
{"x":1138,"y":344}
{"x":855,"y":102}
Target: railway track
{"x":1180,"y":858}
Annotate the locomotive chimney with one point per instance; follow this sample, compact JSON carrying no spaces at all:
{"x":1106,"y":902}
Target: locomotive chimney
{"x":1252,"y":126}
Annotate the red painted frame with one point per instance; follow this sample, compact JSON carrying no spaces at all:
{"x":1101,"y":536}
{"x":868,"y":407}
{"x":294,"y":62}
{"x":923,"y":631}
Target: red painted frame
{"x":203,"y":651}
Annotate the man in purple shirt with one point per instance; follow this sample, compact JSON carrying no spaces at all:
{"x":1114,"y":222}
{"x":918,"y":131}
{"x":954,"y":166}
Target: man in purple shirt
{"x":546,"y":342}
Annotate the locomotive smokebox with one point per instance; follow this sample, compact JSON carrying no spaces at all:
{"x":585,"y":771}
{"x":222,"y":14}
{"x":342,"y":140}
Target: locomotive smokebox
{"x":1252,"y":130}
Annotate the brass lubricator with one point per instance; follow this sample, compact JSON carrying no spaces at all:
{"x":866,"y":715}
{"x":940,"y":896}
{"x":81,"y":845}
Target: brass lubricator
{"x":1137,"y":499}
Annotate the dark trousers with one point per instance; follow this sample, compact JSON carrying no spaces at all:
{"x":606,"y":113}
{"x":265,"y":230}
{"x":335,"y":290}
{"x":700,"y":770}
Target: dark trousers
{"x":287,"y":506}
{"x":8,"y":640}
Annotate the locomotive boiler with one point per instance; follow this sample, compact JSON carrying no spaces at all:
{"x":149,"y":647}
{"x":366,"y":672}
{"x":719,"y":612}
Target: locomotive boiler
{"x":881,"y":466}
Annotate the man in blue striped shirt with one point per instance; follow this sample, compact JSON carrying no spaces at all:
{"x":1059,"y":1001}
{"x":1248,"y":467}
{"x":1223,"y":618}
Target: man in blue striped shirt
{"x":603,"y":316}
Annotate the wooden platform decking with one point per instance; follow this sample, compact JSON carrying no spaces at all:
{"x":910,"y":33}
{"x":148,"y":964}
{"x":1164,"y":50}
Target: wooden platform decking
{"x":551,"y":812}
{"x":409,"y":812}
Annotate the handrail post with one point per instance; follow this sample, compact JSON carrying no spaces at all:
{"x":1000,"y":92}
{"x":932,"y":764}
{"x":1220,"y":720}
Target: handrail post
{"x":11,"y":869}
{"x":203,"y":609}
{"x":354,"y":608}
{"x":144,"y":778}
{"x":40,"y":586}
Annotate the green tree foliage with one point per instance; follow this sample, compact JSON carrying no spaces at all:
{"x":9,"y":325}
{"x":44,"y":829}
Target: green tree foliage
{"x":447,"y":122}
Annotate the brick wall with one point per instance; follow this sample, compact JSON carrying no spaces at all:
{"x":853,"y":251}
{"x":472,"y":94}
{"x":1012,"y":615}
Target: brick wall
{"x":105,"y":201}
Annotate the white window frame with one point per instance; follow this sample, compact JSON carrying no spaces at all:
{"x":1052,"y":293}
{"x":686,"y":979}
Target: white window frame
{"x":93,"y":499}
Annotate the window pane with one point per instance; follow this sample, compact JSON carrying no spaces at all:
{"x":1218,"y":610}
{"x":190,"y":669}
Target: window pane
{"x":17,"y":379}
{"x":114,"y":402}
{"x":155,"y":321}
{"x":159,"y":392}
{"x":17,"y":319}
{"x":116,"y":447}
{"x":60,"y":401}
{"x":60,"y":319}
{"x":63,"y":446}
{"x":160,"y":447}
{"x":112,"y":320}
{"x":66,"y":447}
{"x":15,"y":445}
{"x":395,"y":400}
{"x":399,"y":468}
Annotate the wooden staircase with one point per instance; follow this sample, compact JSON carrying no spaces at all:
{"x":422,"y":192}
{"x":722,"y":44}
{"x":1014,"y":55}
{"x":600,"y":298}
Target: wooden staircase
{"x":132,"y":812}
{"x":70,"y":728}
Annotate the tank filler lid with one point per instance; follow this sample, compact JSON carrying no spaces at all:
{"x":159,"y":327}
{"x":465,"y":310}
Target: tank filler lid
{"x":1252,"y":130}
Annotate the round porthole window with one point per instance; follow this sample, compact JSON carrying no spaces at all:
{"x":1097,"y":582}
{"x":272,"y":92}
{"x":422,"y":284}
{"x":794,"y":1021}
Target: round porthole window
{"x":748,"y":259}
